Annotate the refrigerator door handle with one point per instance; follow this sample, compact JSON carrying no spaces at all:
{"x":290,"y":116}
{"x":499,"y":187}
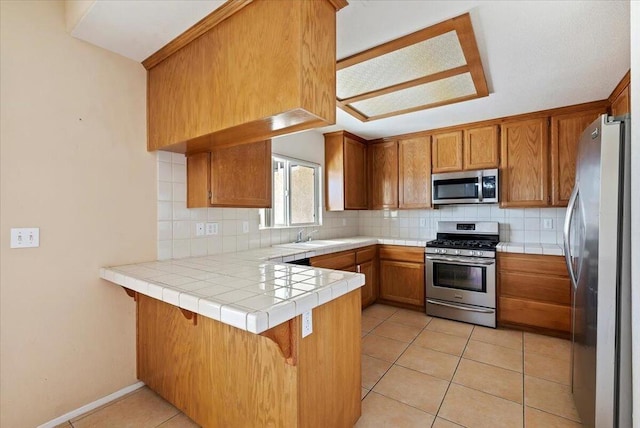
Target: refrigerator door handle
{"x":567,"y":226}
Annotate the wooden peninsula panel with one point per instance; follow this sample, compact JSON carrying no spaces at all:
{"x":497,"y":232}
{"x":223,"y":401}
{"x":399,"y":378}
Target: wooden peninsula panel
{"x":221,"y":376}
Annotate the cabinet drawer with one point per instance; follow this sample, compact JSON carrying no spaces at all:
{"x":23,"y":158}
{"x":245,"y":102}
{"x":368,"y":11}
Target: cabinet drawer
{"x":404,"y":254}
{"x":533,"y":263}
{"x":552,"y":289}
{"x":366,"y":254}
{"x":536,"y":314}
{"x":339,"y":261}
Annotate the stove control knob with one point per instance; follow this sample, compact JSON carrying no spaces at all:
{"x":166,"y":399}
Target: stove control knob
{"x":479,"y":253}
{"x":443,"y":251}
{"x":456,"y":252}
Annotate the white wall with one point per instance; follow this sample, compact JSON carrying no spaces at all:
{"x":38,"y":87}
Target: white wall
{"x":177,"y":224}
{"x":73,"y":162}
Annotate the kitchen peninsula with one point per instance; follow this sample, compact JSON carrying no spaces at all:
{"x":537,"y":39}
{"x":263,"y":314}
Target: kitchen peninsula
{"x":220,"y":337}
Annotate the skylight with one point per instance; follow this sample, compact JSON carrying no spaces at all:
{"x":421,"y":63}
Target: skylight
{"x":435,"y":66}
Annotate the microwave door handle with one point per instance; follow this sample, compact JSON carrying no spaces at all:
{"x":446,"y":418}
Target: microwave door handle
{"x":566,"y":235}
{"x":480,"y":189}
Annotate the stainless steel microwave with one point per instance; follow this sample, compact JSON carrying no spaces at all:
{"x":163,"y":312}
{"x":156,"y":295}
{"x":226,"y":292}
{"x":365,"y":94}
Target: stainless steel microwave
{"x":467,"y":187}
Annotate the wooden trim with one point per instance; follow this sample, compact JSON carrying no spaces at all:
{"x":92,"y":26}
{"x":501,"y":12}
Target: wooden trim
{"x":467,"y":38}
{"x":426,"y":106}
{"x":601,"y":104}
{"x":190,"y":315}
{"x":404,"y":85}
{"x":338,"y":4}
{"x":342,"y":134}
{"x":196,"y":30}
{"x":286,"y":335}
{"x":353,"y":112}
{"x":130,"y":293}
{"x":626,"y":81}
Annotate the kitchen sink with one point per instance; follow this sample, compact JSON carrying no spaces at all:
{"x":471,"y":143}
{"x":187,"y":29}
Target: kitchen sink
{"x":311,"y":244}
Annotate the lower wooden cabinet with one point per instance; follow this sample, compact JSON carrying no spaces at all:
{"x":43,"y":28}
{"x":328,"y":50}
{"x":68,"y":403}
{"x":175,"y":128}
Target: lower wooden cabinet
{"x":402,"y":276}
{"x":343,"y":260}
{"x":534,"y":293}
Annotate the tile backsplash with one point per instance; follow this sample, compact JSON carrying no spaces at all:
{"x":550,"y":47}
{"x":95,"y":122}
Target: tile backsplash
{"x":177,"y":224}
{"x":516,"y":225}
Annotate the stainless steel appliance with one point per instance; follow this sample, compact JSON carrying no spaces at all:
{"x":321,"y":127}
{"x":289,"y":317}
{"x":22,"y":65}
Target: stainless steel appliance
{"x":460,"y":272}
{"x":597,"y":251}
{"x":468,"y":187}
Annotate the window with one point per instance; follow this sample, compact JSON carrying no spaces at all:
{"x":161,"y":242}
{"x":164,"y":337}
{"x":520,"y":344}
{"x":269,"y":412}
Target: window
{"x":296,"y":194}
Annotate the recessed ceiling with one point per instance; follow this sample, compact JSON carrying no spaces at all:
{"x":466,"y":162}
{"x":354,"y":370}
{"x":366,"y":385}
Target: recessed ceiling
{"x":435,"y":66}
{"x":536,"y":55}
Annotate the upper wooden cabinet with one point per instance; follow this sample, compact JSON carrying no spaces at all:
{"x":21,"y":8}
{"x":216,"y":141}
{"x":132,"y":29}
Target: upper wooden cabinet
{"x":234,"y":176}
{"x":383,"y":172}
{"x":446,"y":152}
{"x":619,"y":99}
{"x":414,"y":183}
{"x":266,"y":69}
{"x":345,"y":172}
{"x":565,"y":134}
{"x":524,"y":178}
{"x":481,"y":148}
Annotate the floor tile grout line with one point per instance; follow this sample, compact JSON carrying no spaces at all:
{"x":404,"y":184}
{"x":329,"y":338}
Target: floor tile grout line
{"x":554,"y":414}
{"x":167,"y":420}
{"x":454,"y":372}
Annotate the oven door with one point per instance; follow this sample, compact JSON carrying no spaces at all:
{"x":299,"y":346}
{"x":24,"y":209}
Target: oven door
{"x":467,"y":280}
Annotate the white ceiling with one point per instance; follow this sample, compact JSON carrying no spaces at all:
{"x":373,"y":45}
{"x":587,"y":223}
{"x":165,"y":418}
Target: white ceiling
{"x":536,"y":54}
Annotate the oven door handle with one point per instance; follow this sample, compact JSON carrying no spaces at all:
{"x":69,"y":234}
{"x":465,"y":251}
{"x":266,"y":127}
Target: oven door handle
{"x":464,"y":308}
{"x":461,"y":260}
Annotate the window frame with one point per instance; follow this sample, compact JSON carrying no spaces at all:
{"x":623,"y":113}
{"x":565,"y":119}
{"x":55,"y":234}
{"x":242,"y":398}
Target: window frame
{"x":266,"y":214}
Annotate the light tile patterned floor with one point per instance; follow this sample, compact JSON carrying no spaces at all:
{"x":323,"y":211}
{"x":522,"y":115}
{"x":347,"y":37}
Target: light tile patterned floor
{"x":419,"y":371}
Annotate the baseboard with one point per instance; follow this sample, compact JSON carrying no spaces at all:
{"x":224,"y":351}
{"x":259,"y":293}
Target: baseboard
{"x":91,"y":406}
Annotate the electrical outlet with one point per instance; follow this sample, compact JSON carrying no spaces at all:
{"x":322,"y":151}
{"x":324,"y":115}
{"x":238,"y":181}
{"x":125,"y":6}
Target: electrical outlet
{"x":547,"y":223}
{"x":307,"y":324}
{"x":423,"y":222}
{"x":245,"y":227}
{"x":211,"y":228}
{"x":344,"y":221}
{"x":199,"y":229}
{"x":25,"y":237}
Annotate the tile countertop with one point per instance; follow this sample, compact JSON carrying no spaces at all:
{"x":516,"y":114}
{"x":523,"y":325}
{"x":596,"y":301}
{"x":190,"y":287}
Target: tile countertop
{"x":526,"y":248}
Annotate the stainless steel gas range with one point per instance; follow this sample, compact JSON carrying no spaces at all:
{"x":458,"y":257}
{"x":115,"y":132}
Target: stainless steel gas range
{"x":460,"y":272}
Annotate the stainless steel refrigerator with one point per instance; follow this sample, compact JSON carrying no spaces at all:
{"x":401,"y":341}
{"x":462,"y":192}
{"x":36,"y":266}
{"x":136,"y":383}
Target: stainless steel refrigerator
{"x":597,"y":236}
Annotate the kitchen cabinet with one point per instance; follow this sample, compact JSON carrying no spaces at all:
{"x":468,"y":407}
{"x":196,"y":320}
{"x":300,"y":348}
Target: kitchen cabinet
{"x":383,"y":173}
{"x":367,"y":264}
{"x":534,"y":293}
{"x":363,"y":260}
{"x":414,"y":175}
{"x":240,"y":77}
{"x":446,"y":152}
{"x":345,"y":172}
{"x":619,"y":99}
{"x":480,"y":148}
{"x":524,"y":167}
{"x":565,"y":133}
{"x":402,"y":276}
{"x":232,"y":176}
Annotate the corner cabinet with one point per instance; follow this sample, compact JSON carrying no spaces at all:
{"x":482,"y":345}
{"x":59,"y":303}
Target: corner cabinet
{"x":524,"y":167}
{"x":565,"y":135}
{"x":233,"y":176}
{"x":345,"y":172}
{"x":383,"y":173}
{"x":402,"y":276}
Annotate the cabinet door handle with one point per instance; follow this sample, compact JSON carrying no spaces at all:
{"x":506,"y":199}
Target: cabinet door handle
{"x":358,"y":269}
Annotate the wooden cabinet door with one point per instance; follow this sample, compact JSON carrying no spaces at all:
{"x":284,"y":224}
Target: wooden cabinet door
{"x":241,"y":175}
{"x":446,"y":152}
{"x":198,"y":180}
{"x":621,"y":104}
{"x":343,"y":260}
{"x":383,"y":173}
{"x":369,"y":289}
{"x":414,"y":164}
{"x":355,"y":174}
{"x":524,"y":178}
{"x":402,"y":282}
{"x":565,"y":134}
{"x":481,"y":148}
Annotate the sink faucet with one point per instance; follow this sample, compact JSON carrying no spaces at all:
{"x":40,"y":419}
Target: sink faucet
{"x":299,"y":236}
{"x":313,"y":232}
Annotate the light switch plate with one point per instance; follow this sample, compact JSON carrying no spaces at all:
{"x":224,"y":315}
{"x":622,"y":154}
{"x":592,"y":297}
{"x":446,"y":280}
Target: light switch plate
{"x":423,"y":222}
{"x":211,"y":228}
{"x":547,"y":223}
{"x":245,"y":227}
{"x":25,"y":237}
